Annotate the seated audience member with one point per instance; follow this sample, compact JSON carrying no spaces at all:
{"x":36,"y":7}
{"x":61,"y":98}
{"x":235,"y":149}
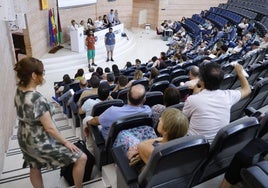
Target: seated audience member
{"x":83,"y":86}
{"x":90,"y":24}
{"x":152,"y":61}
{"x":74,"y":99}
{"x":105,"y":20}
{"x":110,"y":80}
{"x":64,"y":93}
{"x":121,"y":84}
{"x":84,"y":26}
{"x":194,"y":78}
{"x":128,"y":65}
{"x":160,"y":62}
{"x":103,"y":94}
{"x":264,"y":42}
{"x":100,"y":72}
{"x":242,"y":26}
{"x":222,"y":53}
{"x":171,"y":96}
{"x":74,"y":26}
{"x":238,"y":48}
{"x":116,"y":17}
{"x":64,"y":87}
{"x":209,"y":110}
{"x":172,"y":124}
{"x":154,"y":73}
{"x":94,"y":83}
{"x":137,"y":63}
{"x":137,"y":75}
{"x":79,"y":75}
{"x":98,"y":23}
{"x":107,"y":70}
{"x":115,"y":70}
{"x":256,"y":150}
{"x":254,"y":47}
{"x":136,"y":98}
{"x":111,"y":17}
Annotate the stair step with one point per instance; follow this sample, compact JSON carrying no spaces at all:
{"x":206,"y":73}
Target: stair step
{"x":109,"y":175}
{"x":72,"y":60}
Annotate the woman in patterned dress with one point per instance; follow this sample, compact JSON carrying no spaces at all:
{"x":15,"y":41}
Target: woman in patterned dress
{"x":40,"y":142}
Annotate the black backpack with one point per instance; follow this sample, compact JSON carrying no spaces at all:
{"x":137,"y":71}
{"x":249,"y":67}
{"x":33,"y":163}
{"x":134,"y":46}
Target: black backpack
{"x":67,"y":171}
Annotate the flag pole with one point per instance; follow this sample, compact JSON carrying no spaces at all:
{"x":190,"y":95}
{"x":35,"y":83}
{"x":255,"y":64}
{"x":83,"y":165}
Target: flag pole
{"x":59,"y":26}
{"x":58,"y":37}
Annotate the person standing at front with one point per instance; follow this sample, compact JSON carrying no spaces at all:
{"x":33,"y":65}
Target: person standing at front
{"x":109,"y":43}
{"x":90,"y":43}
{"x":41,"y":144}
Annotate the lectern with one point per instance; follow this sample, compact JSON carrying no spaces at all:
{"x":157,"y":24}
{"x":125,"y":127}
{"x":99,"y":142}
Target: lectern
{"x":77,"y":40}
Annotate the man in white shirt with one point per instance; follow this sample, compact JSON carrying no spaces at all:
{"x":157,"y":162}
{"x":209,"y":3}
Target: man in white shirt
{"x":209,"y":110}
{"x":99,"y":23}
{"x":74,"y":26}
{"x":111,"y":17}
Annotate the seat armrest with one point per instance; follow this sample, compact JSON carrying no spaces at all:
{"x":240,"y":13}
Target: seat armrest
{"x":250,"y":110}
{"x":97,"y":136}
{"x":130,"y":175}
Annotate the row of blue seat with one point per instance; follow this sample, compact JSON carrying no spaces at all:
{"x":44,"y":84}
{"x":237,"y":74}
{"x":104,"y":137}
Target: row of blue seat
{"x":189,"y":161}
{"x":216,"y":19}
{"x":257,"y":2}
{"x":261,"y":9}
{"x":233,"y":17}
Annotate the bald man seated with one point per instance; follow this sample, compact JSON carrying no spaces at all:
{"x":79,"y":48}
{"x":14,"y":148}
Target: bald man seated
{"x":136,"y":98}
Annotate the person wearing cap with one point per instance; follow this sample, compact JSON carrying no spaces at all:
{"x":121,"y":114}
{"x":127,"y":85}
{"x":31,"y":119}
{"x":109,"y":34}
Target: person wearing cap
{"x":109,"y":44}
{"x":90,"y":43}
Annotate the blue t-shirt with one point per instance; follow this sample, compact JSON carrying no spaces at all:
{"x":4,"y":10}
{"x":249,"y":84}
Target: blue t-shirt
{"x":113,"y":113}
{"x":110,"y":38}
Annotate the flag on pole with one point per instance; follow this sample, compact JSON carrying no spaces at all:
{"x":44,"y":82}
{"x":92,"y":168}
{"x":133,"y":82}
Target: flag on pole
{"x":52,"y":29}
{"x":59,"y":27}
{"x":55,"y":29}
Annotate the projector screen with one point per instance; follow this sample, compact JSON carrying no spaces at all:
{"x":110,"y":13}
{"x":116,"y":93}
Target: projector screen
{"x":74,"y":3}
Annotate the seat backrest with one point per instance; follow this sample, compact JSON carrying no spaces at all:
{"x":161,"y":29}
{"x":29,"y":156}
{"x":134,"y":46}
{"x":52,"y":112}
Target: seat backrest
{"x":228,"y":81}
{"x":164,"y":71}
{"x":174,"y":163}
{"x":227,"y":68}
{"x":142,"y":81}
{"x":256,"y":175}
{"x":237,"y":110}
{"x":178,"y":106}
{"x":254,"y":72}
{"x":177,"y":80}
{"x":261,"y":94}
{"x":184,"y":92}
{"x":159,"y":86}
{"x":122,"y":94}
{"x":153,"y":98}
{"x":263,"y":129}
{"x":100,"y":107}
{"x":228,"y":141}
{"x":127,"y":122}
{"x":75,"y":86}
{"x":83,"y":100}
{"x":161,"y":77}
{"x":176,"y":73}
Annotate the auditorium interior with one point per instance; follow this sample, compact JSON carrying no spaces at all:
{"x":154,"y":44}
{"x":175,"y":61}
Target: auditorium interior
{"x":25,"y":31}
